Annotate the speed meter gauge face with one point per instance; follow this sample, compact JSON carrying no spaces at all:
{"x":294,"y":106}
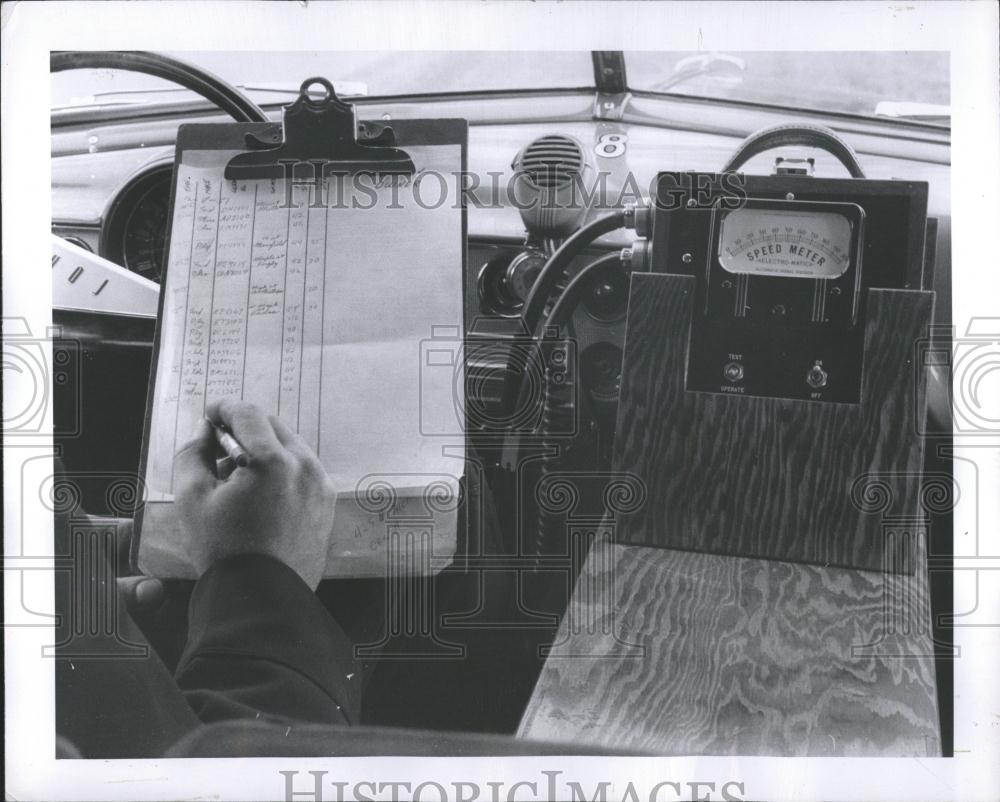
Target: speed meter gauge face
{"x":775,"y":242}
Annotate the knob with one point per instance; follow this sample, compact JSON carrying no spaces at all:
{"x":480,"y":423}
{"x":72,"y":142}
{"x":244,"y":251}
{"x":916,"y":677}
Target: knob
{"x":522,"y":272}
{"x":607,"y":297}
{"x":816,"y":377}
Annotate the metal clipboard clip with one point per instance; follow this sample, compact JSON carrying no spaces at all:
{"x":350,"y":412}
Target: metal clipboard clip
{"x":321,"y":138}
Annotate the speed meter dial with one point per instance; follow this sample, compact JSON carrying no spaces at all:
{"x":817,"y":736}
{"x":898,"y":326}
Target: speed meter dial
{"x":775,"y":242}
{"x":792,"y":261}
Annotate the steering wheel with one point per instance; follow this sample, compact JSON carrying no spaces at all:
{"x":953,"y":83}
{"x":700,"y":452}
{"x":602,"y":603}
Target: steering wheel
{"x":227,"y":97}
{"x":813,"y":136}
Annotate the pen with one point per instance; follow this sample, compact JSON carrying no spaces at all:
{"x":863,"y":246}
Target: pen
{"x":231,"y":446}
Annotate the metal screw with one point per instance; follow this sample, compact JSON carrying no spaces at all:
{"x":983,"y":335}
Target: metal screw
{"x":686,"y":258}
{"x":790,"y":196}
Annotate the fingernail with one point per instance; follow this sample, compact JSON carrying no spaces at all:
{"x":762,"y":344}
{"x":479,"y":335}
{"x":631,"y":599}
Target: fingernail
{"x":224,"y":467}
{"x":147,"y":592}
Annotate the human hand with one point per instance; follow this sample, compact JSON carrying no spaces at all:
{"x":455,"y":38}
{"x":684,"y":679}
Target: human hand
{"x":280,"y":505}
{"x":142,"y":594}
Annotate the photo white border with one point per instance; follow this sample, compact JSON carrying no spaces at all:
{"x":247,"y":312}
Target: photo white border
{"x":967,"y":30}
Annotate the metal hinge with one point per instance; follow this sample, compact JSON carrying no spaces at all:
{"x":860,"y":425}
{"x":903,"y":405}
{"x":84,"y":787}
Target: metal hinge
{"x":610,"y":107}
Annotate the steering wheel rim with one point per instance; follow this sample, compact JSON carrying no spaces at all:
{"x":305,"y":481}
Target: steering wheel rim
{"x":218,"y":92}
{"x":807,"y":135}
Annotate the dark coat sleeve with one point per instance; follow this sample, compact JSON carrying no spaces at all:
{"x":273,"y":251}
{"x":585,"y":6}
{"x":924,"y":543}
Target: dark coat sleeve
{"x":261,"y":646}
{"x":114,"y":697}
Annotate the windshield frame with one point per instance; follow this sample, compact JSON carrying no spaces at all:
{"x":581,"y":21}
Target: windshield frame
{"x":610,"y":84}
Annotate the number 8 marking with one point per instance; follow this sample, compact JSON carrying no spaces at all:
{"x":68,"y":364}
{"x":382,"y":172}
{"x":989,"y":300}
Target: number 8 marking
{"x":611,"y":146}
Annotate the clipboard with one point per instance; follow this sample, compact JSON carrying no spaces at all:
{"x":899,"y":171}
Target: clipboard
{"x":318,"y":143}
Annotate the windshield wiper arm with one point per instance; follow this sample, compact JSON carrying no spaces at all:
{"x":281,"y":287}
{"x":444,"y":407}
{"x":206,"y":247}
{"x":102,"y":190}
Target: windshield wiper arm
{"x":342,"y":88}
{"x":719,"y":64}
{"x":136,"y":97}
{"x":913,"y":110}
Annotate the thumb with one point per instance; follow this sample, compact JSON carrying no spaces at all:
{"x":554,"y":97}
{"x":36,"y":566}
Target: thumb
{"x":142,"y":594}
{"x":194,"y":463}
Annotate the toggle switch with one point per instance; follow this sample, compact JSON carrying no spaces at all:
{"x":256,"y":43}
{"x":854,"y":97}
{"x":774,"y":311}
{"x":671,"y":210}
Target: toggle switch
{"x":816,"y":377}
{"x":733,"y":372}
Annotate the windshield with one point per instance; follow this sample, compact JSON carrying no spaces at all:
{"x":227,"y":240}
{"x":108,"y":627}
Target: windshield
{"x":267,"y":77}
{"x":912,"y":85}
{"x":899,"y":83}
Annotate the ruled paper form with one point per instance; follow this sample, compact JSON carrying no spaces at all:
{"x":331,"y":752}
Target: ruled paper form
{"x":317,"y":314}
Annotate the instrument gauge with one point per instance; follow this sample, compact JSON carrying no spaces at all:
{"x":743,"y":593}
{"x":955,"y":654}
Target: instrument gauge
{"x":145,"y":233}
{"x":522,"y":272}
{"x":785,"y":243}
{"x":135,"y":229}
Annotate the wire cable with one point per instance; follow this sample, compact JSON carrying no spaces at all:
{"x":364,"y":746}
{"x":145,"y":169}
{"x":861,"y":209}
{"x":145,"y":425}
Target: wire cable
{"x":548,"y":280}
{"x":560,"y":314}
{"x":534,"y":305}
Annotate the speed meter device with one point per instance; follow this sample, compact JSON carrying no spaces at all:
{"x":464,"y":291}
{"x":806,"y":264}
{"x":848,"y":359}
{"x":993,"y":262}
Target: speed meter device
{"x":782,"y":265}
{"x":770,"y":382}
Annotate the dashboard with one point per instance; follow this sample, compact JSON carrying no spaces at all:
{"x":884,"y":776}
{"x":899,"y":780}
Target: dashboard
{"x":96,"y":168}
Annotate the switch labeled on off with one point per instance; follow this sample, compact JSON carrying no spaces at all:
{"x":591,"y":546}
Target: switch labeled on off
{"x":816,"y":377}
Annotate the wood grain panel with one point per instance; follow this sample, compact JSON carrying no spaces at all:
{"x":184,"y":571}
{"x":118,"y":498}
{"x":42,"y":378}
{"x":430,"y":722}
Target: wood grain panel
{"x":684,"y":653}
{"x":769,"y":477}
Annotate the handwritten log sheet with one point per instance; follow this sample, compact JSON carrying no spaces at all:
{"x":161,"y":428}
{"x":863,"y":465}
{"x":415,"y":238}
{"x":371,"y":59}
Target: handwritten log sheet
{"x":316,"y":313}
